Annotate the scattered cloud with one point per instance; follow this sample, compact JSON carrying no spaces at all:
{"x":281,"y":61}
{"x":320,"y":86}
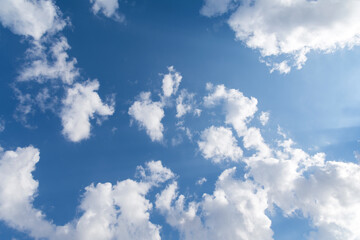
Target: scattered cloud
{"x":171,"y":82}
{"x":107,"y":211}
{"x":201,"y":181}
{"x":2,"y":125}
{"x":264,"y":118}
{"x":185,"y":103}
{"x":40,"y":69}
{"x":108,"y":8}
{"x":219,"y":144}
{"x":81,"y":104}
{"x":286,"y":31}
{"x":148,"y":114}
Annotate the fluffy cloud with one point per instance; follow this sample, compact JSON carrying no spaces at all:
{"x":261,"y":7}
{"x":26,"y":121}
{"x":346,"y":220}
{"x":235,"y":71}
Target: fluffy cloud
{"x":107,"y":7}
{"x":235,"y":210}
{"x":148,"y":114}
{"x":239,"y":109}
{"x":40,"y":69}
{"x":289,"y":29}
{"x":185,"y":103}
{"x":31,"y":18}
{"x":264,"y":118}
{"x":81,"y":104}
{"x":171,"y":82}
{"x":119,"y":211}
{"x":219,"y":144}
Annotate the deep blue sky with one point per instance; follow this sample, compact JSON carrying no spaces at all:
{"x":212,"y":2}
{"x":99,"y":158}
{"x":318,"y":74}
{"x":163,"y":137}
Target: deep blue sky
{"x":317,"y":106}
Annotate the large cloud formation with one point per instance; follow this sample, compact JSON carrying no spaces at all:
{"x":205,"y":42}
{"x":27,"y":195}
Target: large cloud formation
{"x":50,"y":66}
{"x":119,"y":211}
{"x":286,"y":31}
{"x":264,"y":176}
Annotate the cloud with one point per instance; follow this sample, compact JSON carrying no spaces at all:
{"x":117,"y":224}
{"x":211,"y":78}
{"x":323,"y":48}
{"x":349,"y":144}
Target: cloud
{"x":81,"y":104}
{"x":148,"y":114}
{"x":31,"y":18}
{"x":185,"y":103}
{"x":2,"y":125}
{"x":239,"y":109}
{"x":288,"y":30}
{"x":60,"y":67}
{"x":219,"y":144}
{"x":264,"y":118}
{"x":235,"y":210}
{"x":215,"y":7}
{"x":119,"y":211}
{"x":201,"y":181}
{"x":108,"y":8}
{"x":171,"y":82}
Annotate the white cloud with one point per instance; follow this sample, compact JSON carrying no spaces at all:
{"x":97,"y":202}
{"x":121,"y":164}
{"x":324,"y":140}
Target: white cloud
{"x":292,"y":28}
{"x":119,"y":211}
{"x":219,"y":144}
{"x":107,"y":7}
{"x":264,"y":118}
{"x":216,"y":7}
{"x":31,"y":18}
{"x":185,"y":104}
{"x":201,"y":181}
{"x":235,"y":210}
{"x":323,"y":191}
{"x":171,"y":82}
{"x":2,"y":125}
{"x":81,"y":104}
{"x":239,"y":109}
{"x":148,"y":114}
{"x":40,"y":69}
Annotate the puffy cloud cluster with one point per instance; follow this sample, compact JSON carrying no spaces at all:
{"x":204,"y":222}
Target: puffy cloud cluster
{"x":286,"y":31}
{"x":108,"y":211}
{"x":47,"y":59}
{"x":82,"y":102}
{"x":239,"y":109}
{"x":108,"y":8}
{"x":31,"y":18}
{"x":40,"y":69}
{"x":235,"y":210}
{"x":149,"y":114}
{"x":219,"y":144}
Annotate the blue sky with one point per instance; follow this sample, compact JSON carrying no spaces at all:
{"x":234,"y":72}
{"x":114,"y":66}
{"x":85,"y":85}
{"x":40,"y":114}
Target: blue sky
{"x":212,"y":119}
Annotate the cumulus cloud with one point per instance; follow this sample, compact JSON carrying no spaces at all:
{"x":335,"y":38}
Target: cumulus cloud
{"x":40,"y":69}
{"x":286,"y":31}
{"x":264,"y":118}
{"x":108,"y":211}
{"x":148,"y":114}
{"x":239,"y":109}
{"x":81,"y":104}
{"x":108,"y":8}
{"x":235,"y":210}
{"x":219,"y":144}
{"x":171,"y":82}
{"x":31,"y":18}
{"x":185,"y":103}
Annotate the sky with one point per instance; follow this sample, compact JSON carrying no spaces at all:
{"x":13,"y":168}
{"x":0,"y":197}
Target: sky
{"x":209,"y":119}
